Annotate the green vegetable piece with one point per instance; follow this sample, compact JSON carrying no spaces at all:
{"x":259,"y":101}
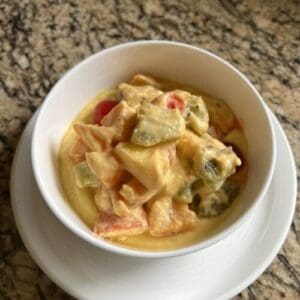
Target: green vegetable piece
{"x":197,"y":117}
{"x":156,"y":125}
{"x":213,"y":205}
{"x":184,"y":194}
{"x":84,"y":176}
{"x":212,"y":172}
{"x":231,"y":189}
{"x":209,"y":177}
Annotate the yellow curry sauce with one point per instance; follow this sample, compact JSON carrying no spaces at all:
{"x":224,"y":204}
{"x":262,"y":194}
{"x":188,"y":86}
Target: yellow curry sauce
{"x":83,"y":202}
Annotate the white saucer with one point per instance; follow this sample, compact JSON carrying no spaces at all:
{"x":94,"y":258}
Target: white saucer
{"x":218,"y":272}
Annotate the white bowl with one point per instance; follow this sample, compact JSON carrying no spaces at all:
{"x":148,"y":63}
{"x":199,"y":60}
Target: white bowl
{"x":183,"y":63}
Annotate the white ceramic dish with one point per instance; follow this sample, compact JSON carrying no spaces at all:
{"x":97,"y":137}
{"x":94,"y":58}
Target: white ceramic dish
{"x":89,"y":273}
{"x":174,"y":61}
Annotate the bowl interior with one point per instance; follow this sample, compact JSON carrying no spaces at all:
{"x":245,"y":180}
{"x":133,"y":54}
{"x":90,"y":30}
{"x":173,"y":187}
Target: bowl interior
{"x":174,"y":61}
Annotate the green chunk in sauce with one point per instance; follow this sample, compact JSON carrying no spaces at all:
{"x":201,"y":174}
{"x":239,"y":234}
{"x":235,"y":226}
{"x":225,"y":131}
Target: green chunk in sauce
{"x":216,"y":203}
{"x":156,"y":125}
{"x":84,"y":176}
{"x":184,"y":194}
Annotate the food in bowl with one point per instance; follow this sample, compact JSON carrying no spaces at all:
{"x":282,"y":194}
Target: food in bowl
{"x":153,"y":164}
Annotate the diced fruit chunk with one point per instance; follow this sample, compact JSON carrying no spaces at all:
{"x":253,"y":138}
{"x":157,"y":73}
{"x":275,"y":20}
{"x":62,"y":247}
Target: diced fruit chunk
{"x":96,"y":138}
{"x":175,"y":102}
{"x":103,"y":199}
{"x":78,"y":150}
{"x":140,"y":79}
{"x":150,"y":165}
{"x":211,"y":161}
{"x":136,"y":193}
{"x":102,"y":109}
{"x":122,"y":118}
{"x":156,"y":125}
{"x":135,"y":95}
{"x":110,"y":225}
{"x":105,"y":167}
{"x":166,"y":218}
{"x":109,"y":201}
{"x":192,"y":107}
{"x":173,"y":99}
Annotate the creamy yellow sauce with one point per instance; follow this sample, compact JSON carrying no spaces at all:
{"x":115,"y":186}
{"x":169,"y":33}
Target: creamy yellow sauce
{"x":206,"y":227}
{"x":82,"y":200}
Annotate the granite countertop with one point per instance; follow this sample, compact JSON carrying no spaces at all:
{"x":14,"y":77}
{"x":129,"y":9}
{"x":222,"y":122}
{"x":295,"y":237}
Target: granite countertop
{"x":40,"y":40}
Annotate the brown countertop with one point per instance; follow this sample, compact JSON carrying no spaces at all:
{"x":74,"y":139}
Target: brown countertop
{"x":40,"y":40}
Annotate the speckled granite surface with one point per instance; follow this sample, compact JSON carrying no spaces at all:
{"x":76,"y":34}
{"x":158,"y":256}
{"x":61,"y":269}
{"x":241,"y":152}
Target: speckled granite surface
{"x":40,"y":40}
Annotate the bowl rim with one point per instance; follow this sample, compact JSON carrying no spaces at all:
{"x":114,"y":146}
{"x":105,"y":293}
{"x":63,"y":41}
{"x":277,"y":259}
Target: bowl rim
{"x":118,"y":249}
